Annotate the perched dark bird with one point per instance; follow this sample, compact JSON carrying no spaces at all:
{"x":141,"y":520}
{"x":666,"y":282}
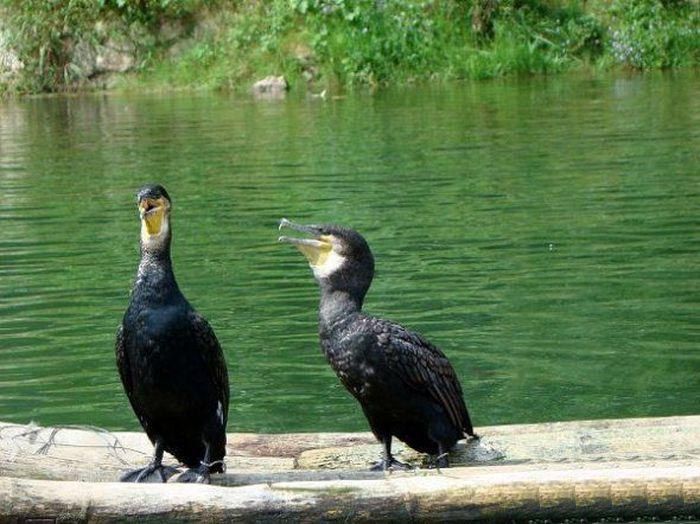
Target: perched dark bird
{"x":406,"y":386}
{"x":169,"y":360}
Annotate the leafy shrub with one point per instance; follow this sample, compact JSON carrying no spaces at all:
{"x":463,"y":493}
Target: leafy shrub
{"x":44,"y":33}
{"x":647,"y":33}
{"x":41,"y":33}
{"x":367,"y":41}
{"x":150,"y":12}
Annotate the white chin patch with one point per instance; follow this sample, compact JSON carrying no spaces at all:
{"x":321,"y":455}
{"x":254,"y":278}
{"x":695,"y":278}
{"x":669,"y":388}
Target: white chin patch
{"x":331,"y":264}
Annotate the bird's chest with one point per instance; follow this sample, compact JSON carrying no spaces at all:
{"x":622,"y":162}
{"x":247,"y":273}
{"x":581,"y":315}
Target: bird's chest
{"x":159,"y":351}
{"x":354,"y":362}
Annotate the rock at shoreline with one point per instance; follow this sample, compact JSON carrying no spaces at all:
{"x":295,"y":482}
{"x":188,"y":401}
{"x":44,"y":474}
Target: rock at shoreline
{"x":271,"y":87}
{"x":114,"y":57}
{"x":90,"y":60}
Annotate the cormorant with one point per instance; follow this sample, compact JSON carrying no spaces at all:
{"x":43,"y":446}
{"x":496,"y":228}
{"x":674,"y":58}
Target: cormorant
{"x":406,"y":386}
{"x":169,"y":360}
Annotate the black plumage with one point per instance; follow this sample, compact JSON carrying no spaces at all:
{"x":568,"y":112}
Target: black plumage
{"x":169,"y":360}
{"x":406,"y":386}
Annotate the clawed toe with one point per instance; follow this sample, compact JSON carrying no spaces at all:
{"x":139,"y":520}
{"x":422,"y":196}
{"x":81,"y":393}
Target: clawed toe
{"x":198,"y":475}
{"x":391,"y":465}
{"x":378,"y":466}
{"x":150,"y":474}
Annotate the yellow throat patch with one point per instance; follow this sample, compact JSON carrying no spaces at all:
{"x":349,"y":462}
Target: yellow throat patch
{"x":154,"y":222}
{"x":317,"y":255}
{"x":152,"y":213}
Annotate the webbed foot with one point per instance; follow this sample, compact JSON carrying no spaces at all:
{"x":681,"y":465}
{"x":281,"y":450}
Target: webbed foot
{"x":198,"y":475}
{"x":151,"y":473}
{"x":390,"y":465}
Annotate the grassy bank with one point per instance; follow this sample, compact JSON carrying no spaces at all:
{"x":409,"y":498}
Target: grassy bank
{"x":341,"y":43}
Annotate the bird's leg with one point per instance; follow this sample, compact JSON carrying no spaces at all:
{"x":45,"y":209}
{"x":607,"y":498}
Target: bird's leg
{"x":468,"y":429}
{"x":388,"y":462}
{"x":200,"y":474}
{"x":441,"y":460}
{"x":154,"y":472}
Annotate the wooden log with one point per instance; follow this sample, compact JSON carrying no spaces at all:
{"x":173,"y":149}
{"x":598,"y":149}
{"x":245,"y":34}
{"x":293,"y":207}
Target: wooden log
{"x":615,"y":468}
{"x":71,"y":453}
{"x":463,"y":494}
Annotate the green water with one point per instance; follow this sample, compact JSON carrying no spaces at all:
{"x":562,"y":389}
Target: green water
{"x":545,"y":233}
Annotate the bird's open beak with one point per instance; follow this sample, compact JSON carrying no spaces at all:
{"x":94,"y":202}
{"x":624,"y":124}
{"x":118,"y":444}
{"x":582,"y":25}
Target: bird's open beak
{"x":316,"y":249}
{"x":151,"y":212}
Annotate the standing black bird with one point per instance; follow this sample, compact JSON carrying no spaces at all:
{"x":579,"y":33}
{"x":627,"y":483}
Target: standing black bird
{"x":169,"y":360}
{"x":406,"y":386}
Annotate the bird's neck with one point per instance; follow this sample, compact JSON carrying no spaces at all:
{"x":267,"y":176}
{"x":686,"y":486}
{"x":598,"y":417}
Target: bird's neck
{"x":337,"y":308}
{"x":155,"y":280}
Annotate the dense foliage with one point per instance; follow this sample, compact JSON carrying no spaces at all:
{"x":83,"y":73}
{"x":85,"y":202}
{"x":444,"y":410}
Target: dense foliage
{"x":47,"y":34}
{"x":350,"y":42}
{"x":651,"y":33}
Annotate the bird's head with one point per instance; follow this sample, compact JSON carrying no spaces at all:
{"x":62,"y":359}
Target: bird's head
{"x":340,"y":257}
{"x":154,"y":210}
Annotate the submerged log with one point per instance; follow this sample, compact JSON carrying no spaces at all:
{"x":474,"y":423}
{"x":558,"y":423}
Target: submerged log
{"x":615,"y":468}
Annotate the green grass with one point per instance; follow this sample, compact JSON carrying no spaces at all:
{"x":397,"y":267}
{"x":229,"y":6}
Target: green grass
{"x":328,"y":43}
{"x":369,"y":43}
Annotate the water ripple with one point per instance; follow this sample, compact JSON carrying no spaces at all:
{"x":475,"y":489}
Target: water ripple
{"x":547,"y":243}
